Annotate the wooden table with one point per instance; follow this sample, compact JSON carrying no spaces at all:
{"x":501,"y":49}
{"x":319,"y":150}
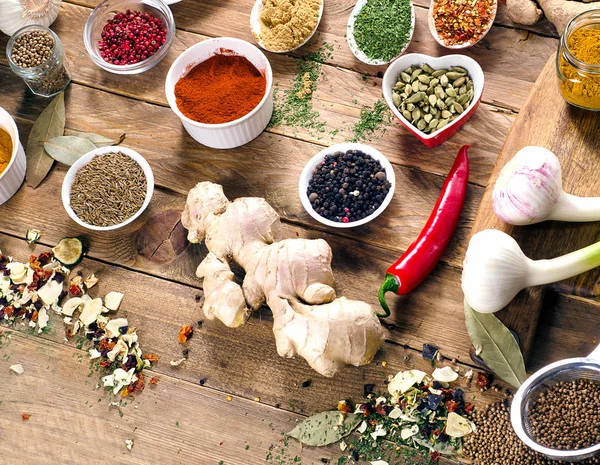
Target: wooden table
{"x":187,"y":417}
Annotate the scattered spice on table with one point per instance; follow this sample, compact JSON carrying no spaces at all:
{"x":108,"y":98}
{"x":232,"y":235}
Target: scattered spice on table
{"x":347,"y":187}
{"x":431,"y":99}
{"x":582,"y":88}
{"x":25,"y":416}
{"x":295,"y":108}
{"x":383,"y":28}
{"x":108,"y":190}
{"x":371,"y":121}
{"x":459,"y":22}
{"x":6,"y":149}
{"x":286,"y":24}
{"x":37,"y":57}
{"x":494,"y":441}
{"x":566,"y":416}
{"x":130,"y":37}
{"x":222,"y":88}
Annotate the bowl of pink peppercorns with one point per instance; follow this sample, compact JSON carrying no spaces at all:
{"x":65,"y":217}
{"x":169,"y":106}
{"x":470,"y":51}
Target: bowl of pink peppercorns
{"x":129,"y":36}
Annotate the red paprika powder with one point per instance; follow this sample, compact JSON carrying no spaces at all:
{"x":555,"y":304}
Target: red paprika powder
{"x":221,"y":89}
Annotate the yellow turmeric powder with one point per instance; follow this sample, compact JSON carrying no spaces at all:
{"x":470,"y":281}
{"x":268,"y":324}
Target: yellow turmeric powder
{"x":582,"y":88}
{"x":6,"y":149}
{"x":285,"y":24}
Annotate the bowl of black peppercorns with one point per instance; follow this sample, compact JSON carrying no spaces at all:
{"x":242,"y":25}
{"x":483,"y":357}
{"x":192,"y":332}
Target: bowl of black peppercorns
{"x":347,"y":185}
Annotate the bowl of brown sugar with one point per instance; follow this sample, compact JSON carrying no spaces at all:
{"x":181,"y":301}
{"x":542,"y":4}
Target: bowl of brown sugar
{"x":107,"y":188}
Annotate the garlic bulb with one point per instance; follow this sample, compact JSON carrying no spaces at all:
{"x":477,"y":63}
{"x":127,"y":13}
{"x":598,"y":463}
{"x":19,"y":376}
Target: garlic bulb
{"x":529,"y":190}
{"x":496,"y":269}
{"x":15,"y":14}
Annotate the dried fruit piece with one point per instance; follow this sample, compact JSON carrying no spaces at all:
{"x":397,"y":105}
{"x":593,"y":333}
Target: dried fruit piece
{"x":69,"y":251}
{"x":185,"y":333}
{"x":32,"y":236}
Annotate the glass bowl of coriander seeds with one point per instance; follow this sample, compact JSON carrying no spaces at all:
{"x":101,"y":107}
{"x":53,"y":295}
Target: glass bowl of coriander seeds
{"x":36,"y":55}
{"x":107,"y":188}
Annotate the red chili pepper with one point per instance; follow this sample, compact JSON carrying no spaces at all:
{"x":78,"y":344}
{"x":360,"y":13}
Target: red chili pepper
{"x":423,"y":254}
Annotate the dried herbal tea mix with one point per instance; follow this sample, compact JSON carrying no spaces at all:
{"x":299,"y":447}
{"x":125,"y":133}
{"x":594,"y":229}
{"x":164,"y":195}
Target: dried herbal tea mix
{"x":108,"y":190}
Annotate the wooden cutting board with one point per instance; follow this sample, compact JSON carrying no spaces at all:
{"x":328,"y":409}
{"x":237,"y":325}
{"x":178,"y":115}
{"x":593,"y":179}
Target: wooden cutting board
{"x":574,"y":136}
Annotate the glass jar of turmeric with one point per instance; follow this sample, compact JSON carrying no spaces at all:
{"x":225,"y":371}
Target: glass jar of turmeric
{"x":578,"y":61}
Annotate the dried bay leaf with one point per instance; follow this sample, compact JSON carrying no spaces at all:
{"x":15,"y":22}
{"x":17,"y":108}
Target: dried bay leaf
{"x":324,"y":428}
{"x":50,"y":123}
{"x":68,"y":149}
{"x":96,"y":139}
{"x":500,"y":350}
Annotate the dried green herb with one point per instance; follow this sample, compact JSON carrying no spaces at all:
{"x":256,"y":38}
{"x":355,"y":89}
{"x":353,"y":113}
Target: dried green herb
{"x":499,"y":348}
{"x":371,"y":121}
{"x":68,"y":149}
{"x":324,"y":428}
{"x":108,"y":190}
{"x":382,"y":28}
{"x":50,"y":123}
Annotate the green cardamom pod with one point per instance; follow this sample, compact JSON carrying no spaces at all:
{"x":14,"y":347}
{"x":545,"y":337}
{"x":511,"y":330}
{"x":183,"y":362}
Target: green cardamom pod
{"x":470,"y":85}
{"x":433,"y":123}
{"x":410,"y":107}
{"x":415,"y":86}
{"x":416,"y":115}
{"x":424,"y":78}
{"x":422,"y":87}
{"x":453,"y":75}
{"x":421,"y":124}
{"x":444,"y":80}
{"x":434,"y":82}
{"x":440,"y":104}
{"x":396,"y":100}
{"x":442,"y":123}
{"x":451,"y":92}
{"x":463,"y":99}
{"x":406,"y":114}
{"x":459,"y":82}
{"x":439,"y":72}
{"x":428,"y":69}
{"x":459,"y":69}
{"x":459,"y":108}
{"x":408,"y":89}
{"x":432,"y":99}
{"x":405,"y":77}
{"x":446,"y":114}
{"x":415,"y":74}
{"x":416,"y":97}
{"x":428,"y":118}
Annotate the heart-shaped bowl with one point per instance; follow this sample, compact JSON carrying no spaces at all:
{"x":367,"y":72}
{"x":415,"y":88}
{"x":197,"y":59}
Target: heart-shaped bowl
{"x":439,"y":40}
{"x":417,"y":59}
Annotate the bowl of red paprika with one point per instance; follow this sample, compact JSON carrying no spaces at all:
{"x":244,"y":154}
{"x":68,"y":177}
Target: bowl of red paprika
{"x":221,"y":90}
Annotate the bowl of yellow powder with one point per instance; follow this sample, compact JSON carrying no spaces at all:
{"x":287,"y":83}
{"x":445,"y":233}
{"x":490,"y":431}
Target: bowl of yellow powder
{"x":12,"y":157}
{"x":281,"y":26}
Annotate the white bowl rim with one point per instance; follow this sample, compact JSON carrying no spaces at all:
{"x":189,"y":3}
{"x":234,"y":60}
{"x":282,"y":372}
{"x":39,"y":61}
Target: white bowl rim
{"x":15,"y":141}
{"x":306,"y":175}
{"x":257,"y":26}
{"x":359,"y":54}
{"x":124,"y":69}
{"x":170,"y":90}
{"x":84,"y":160}
{"x":422,"y":58}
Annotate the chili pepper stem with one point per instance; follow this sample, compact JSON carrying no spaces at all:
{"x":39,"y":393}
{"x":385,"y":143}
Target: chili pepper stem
{"x":389,"y":284}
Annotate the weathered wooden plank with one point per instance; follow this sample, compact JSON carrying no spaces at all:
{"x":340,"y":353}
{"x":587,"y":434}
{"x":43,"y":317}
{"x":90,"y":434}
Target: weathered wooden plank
{"x":547,"y":120}
{"x":267,"y":167}
{"x":244,"y":361}
{"x":174,"y":422}
{"x":193,"y":18}
{"x":339,"y":97}
{"x":215,"y":18}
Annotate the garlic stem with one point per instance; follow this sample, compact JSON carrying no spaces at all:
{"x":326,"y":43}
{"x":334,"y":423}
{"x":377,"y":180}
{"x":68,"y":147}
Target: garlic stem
{"x":573,"y":208}
{"x":557,"y":269}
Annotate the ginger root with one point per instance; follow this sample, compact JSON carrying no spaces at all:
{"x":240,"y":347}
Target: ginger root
{"x":292,"y":276}
{"x":523,"y":11}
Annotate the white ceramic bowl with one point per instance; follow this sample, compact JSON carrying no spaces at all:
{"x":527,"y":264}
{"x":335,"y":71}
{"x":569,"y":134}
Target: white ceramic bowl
{"x":417,"y":59}
{"x":234,"y":133}
{"x":12,"y":177}
{"x":84,"y":160}
{"x":358,"y":53}
{"x":307,"y":174}
{"x":255,"y":27}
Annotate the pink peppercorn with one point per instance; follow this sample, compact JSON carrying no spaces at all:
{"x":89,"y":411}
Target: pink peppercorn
{"x":130,"y":37}
{"x":345,"y":219}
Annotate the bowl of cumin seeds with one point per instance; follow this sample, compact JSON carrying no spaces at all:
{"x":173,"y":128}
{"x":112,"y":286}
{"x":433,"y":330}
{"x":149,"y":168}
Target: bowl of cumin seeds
{"x":107,"y":188}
